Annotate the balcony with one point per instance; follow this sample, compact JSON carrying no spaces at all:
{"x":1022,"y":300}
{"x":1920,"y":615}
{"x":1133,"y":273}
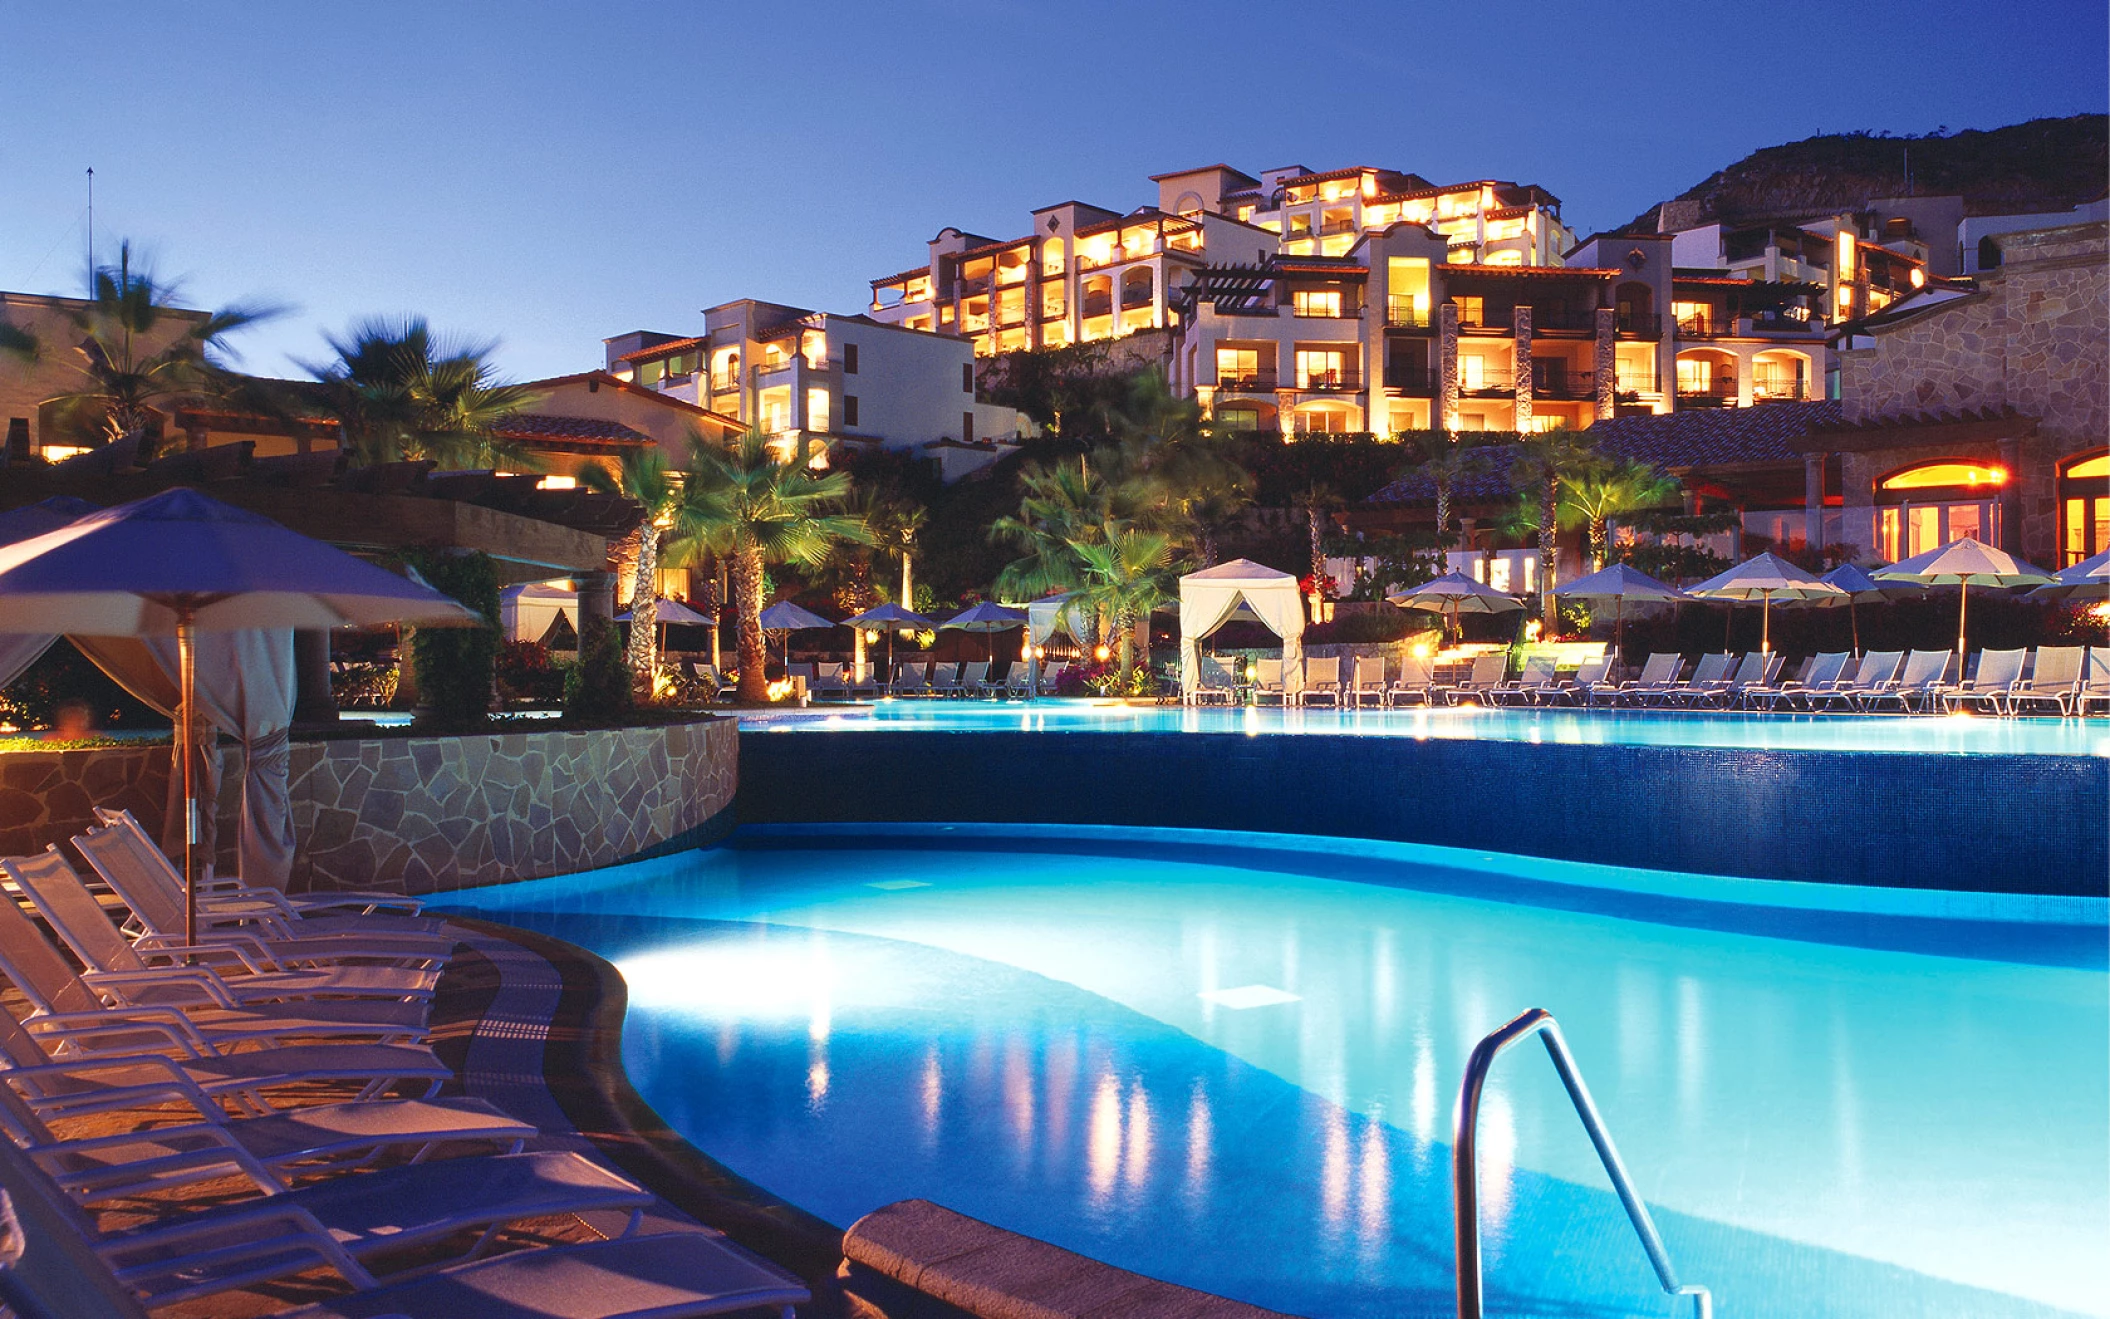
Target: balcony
{"x":1404,"y":314}
{"x":1087,"y":260}
{"x":1342,"y":381}
{"x":1246,"y":382}
{"x":1492,"y":382}
{"x":1321,"y":311}
{"x":1337,"y":227}
{"x":1131,"y":298}
{"x":1417,"y":381}
{"x":1775,"y":323}
{"x":1639,"y":325}
{"x":1637,"y":382}
{"x":725,"y":382}
{"x":1716,"y":393}
{"x":1704,"y":327}
{"x":968,"y":288}
{"x":1769,"y":388}
{"x":1568,"y":385}
{"x":1564,"y":319}
{"x":1097,"y":304}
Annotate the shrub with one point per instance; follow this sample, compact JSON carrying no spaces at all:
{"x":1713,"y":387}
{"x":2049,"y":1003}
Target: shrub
{"x":598,"y":686}
{"x":456,"y":666}
{"x":62,"y":674}
{"x":526,"y":673}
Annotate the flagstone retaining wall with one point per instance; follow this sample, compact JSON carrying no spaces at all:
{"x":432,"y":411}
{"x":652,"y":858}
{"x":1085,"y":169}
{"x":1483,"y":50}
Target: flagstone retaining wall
{"x":420,"y":814}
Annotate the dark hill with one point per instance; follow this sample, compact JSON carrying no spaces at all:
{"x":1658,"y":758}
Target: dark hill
{"x":2042,"y":165}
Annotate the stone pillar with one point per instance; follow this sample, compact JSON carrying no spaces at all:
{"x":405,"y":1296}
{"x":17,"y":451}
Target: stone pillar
{"x":1447,"y":366}
{"x":2011,"y":499}
{"x":1520,"y":369}
{"x":1285,"y":409}
{"x":1813,"y":499}
{"x":313,"y":701}
{"x":596,"y":598}
{"x":1606,"y":362}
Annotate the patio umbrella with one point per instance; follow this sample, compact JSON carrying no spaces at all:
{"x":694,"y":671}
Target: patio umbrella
{"x":786,"y":617}
{"x":180,"y":562}
{"x":1766,"y":578}
{"x":1453,"y":594}
{"x":2079,"y":581}
{"x":987,"y":618}
{"x":1964,"y":564}
{"x":665,"y":611}
{"x":1858,"y":589}
{"x":887,"y":617}
{"x":1618,"y":583}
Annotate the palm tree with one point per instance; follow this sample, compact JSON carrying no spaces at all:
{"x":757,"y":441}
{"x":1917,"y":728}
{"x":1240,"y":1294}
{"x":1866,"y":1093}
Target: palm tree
{"x":399,"y":391}
{"x":1317,"y":500}
{"x":1599,"y":487}
{"x":139,"y":353}
{"x":748,"y":505}
{"x":1539,"y":465}
{"x":1063,"y":505}
{"x":642,"y":475}
{"x":1446,"y":458}
{"x":1126,"y":576}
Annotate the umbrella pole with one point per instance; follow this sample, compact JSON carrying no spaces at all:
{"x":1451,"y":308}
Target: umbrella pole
{"x":1619,"y":630}
{"x":1853,"y":618}
{"x":186,"y":714}
{"x":1963,"y":604}
{"x":1765,"y":624}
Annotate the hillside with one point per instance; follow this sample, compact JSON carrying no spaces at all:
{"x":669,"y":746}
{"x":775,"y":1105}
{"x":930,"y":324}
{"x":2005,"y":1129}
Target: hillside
{"x":2042,"y":165}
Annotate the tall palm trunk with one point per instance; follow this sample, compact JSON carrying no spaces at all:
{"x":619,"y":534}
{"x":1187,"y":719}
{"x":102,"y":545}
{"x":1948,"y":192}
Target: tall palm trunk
{"x":908,"y":577}
{"x":1205,"y":544}
{"x":644,"y":608}
{"x":1600,"y":544}
{"x":1443,"y":510}
{"x":1317,"y":518}
{"x":747,"y":595}
{"x":1548,"y":509}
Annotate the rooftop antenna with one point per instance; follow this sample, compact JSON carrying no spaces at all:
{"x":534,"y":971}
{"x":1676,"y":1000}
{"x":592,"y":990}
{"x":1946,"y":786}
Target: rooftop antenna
{"x":91,"y":231}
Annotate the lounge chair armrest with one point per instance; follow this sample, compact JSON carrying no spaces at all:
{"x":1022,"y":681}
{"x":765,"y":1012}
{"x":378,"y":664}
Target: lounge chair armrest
{"x":167,"y":1023}
{"x":172,"y":950}
{"x":178,"y":1089}
{"x":209,"y":986}
{"x":232,"y":1238}
{"x":215,"y":1160}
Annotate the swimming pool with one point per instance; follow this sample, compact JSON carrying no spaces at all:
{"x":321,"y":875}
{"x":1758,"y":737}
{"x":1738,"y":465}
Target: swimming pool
{"x":1207,"y":1059}
{"x":1960,"y":735}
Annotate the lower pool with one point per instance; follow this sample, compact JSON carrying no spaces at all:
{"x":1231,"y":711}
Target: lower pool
{"x":1212,"y":1059}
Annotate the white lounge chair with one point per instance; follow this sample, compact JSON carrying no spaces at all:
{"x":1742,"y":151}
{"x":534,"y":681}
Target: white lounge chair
{"x":1580,"y":689}
{"x":2054,"y":680}
{"x":1710,"y":672}
{"x":1267,"y":683}
{"x":1416,"y":683}
{"x":2094,"y":686}
{"x":1658,"y":673}
{"x":1876,"y":671}
{"x":78,"y":919}
{"x":1322,"y":681}
{"x":1918,"y":688}
{"x":828,"y":683}
{"x":1485,"y":676}
{"x":1755,"y":672}
{"x":1538,"y":671}
{"x":1368,"y":685}
{"x":944,"y":680}
{"x":1051,"y":677}
{"x":1215,"y":684}
{"x":973,"y":677}
{"x":911,"y":678}
{"x":1990,"y":684}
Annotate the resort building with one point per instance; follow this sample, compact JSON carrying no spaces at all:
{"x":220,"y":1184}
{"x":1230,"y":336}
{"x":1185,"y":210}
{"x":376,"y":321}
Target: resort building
{"x":1087,"y":273}
{"x":816,"y":382}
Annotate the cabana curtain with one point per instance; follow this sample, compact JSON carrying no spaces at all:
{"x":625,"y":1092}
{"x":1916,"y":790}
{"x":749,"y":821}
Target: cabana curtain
{"x":1241,"y":589}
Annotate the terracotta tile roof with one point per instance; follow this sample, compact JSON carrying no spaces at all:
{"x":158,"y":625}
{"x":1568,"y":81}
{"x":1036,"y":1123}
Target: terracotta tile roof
{"x":532,"y":426}
{"x":922,"y":271}
{"x":1707,"y":437}
{"x":1202,"y":169}
{"x":659,"y":350}
{"x":1529,"y":272}
{"x":1491,"y":486}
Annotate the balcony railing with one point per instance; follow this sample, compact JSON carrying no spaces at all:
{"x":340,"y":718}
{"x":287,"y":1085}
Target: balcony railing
{"x":1337,"y":227}
{"x":1325,"y":311}
{"x":1637,"y":382}
{"x":1640,"y":325}
{"x":1089,"y":261}
{"x":1717,"y":393}
{"x":1492,"y":383}
{"x":1330,"y":382}
{"x":1245,"y":381}
{"x":725,"y":382}
{"x":1564,"y":318}
{"x":1564,"y":384}
{"x":1415,"y":380}
{"x":1773,"y":323}
{"x":1404,"y":314}
{"x":1101,"y":304}
{"x":1704,"y":327}
{"x":1771,"y":388}
{"x":1131,"y":298}
{"x":968,"y":288}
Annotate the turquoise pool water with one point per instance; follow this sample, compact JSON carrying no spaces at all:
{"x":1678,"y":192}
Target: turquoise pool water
{"x":1213,"y":1059}
{"x":1962,"y":735}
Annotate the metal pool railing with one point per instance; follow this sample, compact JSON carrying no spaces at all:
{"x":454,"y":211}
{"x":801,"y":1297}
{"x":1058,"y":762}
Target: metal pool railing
{"x":1465,"y":1166}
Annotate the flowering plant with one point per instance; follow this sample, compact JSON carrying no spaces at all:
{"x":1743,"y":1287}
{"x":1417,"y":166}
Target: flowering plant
{"x":1319,"y":584}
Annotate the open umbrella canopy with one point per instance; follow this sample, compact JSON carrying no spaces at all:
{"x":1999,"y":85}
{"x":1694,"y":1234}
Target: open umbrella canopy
{"x":19,"y":524}
{"x":2088,"y":579}
{"x":890,"y":615}
{"x":986,"y":617}
{"x":665,"y":611}
{"x":784,"y":616}
{"x":1767,"y":577}
{"x":1455,"y":593}
{"x":1858,"y":586}
{"x":134,"y":570}
{"x":1618,"y":582}
{"x":1965,"y":562}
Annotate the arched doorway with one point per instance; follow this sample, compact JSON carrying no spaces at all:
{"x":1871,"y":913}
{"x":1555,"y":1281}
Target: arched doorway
{"x":1780,"y":373}
{"x":1929,"y":504}
{"x":2084,"y":506}
{"x":1706,"y":379}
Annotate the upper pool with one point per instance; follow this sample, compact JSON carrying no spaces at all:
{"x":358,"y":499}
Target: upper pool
{"x":1229,"y":1061}
{"x":1964,"y":735}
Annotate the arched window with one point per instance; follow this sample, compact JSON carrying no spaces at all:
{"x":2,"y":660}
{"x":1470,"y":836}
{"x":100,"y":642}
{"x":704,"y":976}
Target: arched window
{"x":2084,"y":506}
{"x":1189,"y":203}
{"x":1930,"y":504}
{"x":1988,"y":253}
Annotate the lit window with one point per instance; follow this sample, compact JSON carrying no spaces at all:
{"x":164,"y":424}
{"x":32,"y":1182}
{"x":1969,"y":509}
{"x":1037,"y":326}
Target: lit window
{"x":817,"y":417}
{"x":1471,"y":310}
{"x":1321,"y":367}
{"x":1237,"y":366}
{"x":1943,"y":475}
{"x":558,"y":483}
{"x":1237,"y":419}
{"x":1317,"y":302}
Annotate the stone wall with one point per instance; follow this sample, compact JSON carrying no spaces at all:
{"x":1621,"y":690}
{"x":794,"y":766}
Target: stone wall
{"x":418,"y":814}
{"x":430,"y":814}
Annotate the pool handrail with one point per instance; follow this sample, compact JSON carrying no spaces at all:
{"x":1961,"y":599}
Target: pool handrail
{"x":1465,"y":1166}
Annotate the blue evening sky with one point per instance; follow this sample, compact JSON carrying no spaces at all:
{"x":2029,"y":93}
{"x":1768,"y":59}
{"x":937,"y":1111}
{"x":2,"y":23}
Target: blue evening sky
{"x":547,"y":174}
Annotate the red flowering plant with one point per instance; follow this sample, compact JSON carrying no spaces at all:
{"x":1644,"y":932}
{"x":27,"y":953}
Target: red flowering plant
{"x":1319,"y":584}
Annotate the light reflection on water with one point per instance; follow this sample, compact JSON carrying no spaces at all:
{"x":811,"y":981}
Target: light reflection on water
{"x":1028,"y":1039}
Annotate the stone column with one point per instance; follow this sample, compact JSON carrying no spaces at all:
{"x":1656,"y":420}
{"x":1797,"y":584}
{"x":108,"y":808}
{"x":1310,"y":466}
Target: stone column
{"x":1285,"y":407}
{"x":1606,"y":363}
{"x":2011,"y":498}
{"x":596,"y":598}
{"x":1520,"y":369}
{"x":313,"y":702}
{"x":1447,"y":366}
{"x":1813,"y":500}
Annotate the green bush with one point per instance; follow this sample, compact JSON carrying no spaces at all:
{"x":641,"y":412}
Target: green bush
{"x":456,"y":666}
{"x":598,"y":686}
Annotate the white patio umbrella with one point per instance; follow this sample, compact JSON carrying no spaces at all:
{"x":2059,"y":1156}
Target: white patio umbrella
{"x":887,"y":617}
{"x":786,"y":617}
{"x":1766,"y":578}
{"x":178,"y":563}
{"x":2088,"y":579}
{"x":1453,"y":594}
{"x":987,"y":618}
{"x":1859,"y":589}
{"x":1964,"y":564}
{"x":1618,"y":583}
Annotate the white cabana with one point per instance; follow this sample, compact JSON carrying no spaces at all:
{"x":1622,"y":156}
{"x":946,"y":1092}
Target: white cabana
{"x":1241,"y":589}
{"x":527,"y":612}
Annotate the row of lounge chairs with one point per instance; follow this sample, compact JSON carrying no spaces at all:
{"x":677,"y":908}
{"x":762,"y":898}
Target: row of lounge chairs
{"x":289,"y":1052}
{"x":920,"y":678}
{"x":2062,"y":680}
